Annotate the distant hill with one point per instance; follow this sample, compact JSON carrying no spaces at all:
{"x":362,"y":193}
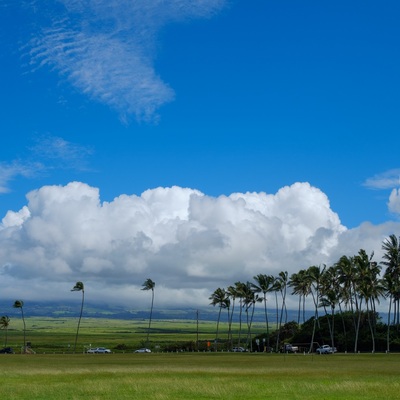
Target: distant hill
{"x":44,"y":309}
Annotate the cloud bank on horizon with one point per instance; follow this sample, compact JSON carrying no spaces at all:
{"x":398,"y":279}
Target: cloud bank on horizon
{"x":106,"y":49}
{"x":187,"y":242}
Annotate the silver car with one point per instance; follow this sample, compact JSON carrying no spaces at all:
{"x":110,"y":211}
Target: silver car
{"x":99,"y":350}
{"x":142,"y":351}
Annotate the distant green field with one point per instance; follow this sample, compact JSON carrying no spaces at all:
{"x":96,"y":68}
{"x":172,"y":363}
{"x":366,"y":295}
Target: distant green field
{"x":57,"y":335}
{"x":193,"y":376}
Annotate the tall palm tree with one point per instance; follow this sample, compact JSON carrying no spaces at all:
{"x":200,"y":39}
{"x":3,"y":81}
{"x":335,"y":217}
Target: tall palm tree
{"x":391,"y":260}
{"x":249,"y":302}
{"x":240,"y":294}
{"x":79,"y":287}
{"x":367,"y":272}
{"x":264,"y":284}
{"x":392,"y":290}
{"x":20,"y":304}
{"x":314,"y":275}
{"x":4,"y":324}
{"x":219,"y":298}
{"x":231,"y":293}
{"x":280,"y":285}
{"x":346,"y":273}
{"x":329,"y":297}
{"x":301,"y":287}
{"x":149,"y":285}
{"x":370,"y":288}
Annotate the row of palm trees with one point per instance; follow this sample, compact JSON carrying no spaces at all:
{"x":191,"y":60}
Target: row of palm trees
{"x":79,"y":287}
{"x":353,"y":284}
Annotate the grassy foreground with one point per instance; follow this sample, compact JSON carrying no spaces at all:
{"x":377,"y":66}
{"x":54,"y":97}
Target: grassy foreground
{"x":194,"y":376}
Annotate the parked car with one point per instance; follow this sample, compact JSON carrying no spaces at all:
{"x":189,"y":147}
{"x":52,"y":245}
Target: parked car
{"x":7,"y":350}
{"x":326,"y":349}
{"x":289,"y":348}
{"x":142,"y":351}
{"x":239,"y":349}
{"x":99,"y":350}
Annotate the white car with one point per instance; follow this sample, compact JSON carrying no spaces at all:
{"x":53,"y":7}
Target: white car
{"x":326,"y":349}
{"x":99,"y":350}
{"x":239,"y":350}
{"x":142,"y":351}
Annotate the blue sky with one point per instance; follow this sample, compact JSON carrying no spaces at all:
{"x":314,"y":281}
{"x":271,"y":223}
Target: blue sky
{"x":263,"y":101}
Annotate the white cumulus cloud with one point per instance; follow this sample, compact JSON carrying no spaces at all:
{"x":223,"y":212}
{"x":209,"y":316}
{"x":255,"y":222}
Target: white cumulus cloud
{"x":394,"y":201}
{"x":187,"y":242}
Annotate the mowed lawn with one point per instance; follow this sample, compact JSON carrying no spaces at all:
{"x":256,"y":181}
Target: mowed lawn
{"x":199,"y":376}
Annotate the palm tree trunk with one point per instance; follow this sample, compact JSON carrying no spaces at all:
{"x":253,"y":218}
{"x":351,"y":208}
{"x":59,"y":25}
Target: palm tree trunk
{"x":357,"y":328}
{"x":230,"y":316}
{"x":371,"y":329}
{"x":216,"y":335}
{"x":240,"y":322}
{"x":151,"y":315}
{"x":266,"y":318}
{"x":388,"y":325}
{"x":79,"y":321}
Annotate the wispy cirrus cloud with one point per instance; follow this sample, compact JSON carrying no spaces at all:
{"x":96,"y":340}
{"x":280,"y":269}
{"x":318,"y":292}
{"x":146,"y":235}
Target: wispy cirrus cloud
{"x":14,"y":169}
{"x":61,"y":153}
{"x":386,"y":180}
{"x":48,"y":153}
{"x":105,"y":48}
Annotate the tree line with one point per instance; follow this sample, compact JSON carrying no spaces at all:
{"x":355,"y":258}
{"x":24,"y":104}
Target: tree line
{"x":354,"y":285}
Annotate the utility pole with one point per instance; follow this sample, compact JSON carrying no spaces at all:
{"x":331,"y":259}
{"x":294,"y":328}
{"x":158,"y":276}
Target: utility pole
{"x":197,"y":319}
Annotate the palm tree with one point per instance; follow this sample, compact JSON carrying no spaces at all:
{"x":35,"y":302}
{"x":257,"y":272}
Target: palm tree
{"x":79,"y":287}
{"x":20,"y":304}
{"x":264,"y":284}
{"x":370,"y":288}
{"x":240,"y":293}
{"x":314,"y":275}
{"x":346,"y":273}
{"x":391,"y":257}
{"x":149,"y":285}
{"x":329,"y":297}
{"x":367,"y":272}
{"x":231,"y":293}
{"x":301,"y":287}
{"x":4,"y":324}
{"x":219,"y":298}
{"x":392,"y":289}
{"x":249,"y":302}
{"x":280,"y":285}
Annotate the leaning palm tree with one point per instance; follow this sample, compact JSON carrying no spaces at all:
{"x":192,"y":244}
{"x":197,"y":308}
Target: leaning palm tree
{"x":4,"y":324}
{"x":79,"y":287}
{"x":149,"y":285}
{"x":20,"y":304}
{"x":300,"y":284}
{"x":219,"y":298}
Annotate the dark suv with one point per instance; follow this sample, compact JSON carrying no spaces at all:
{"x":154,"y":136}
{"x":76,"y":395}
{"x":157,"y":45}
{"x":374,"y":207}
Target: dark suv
{"x":7,"y":350}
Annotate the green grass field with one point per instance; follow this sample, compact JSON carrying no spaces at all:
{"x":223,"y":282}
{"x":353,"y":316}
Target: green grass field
{"x":199,"y":376}
{"x":54,"y":374}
